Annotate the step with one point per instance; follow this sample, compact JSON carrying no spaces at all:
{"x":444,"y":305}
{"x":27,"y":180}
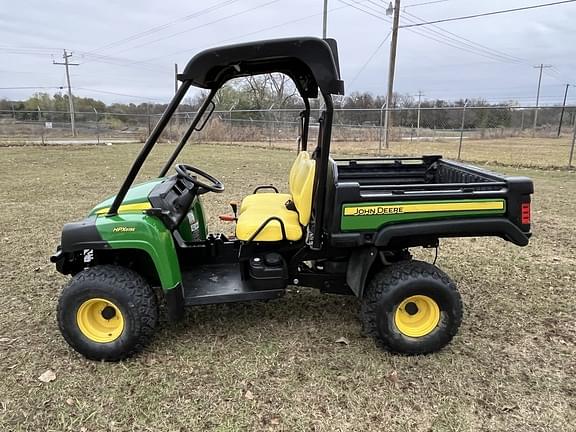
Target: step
{"x":221,"y":283}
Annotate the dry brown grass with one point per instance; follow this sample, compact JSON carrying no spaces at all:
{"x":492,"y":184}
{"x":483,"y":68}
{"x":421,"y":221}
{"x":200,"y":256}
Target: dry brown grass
{"x":514,"y":152}
{"x":510,"y":368}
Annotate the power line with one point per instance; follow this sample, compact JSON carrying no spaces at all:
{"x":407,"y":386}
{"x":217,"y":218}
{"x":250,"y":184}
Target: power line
{"x":119,"y":94}
{"x":99,"y":58}
{"x":201,"y":25}
{"x":117,"y":61}
{"x":469,"y":42}
{"x":424,"y":4}
{"x":31,"y":87}
{"x":235,"y":38}
{"x":498,"y":12}
{"x":367,"y":62}
{"x":454,"y":41}
{"x":363,"y":10}
{"x":443,"y":39}
{"x":159,"y":28}
{"x":242,"y":35}
{"x":466,"y":43}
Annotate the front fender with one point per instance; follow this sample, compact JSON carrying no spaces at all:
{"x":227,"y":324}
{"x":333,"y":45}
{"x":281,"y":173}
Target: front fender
{"x":128,"y":231}
{"x":147,"y":233}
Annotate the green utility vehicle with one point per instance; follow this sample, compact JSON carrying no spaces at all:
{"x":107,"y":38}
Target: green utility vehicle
{"x":344,"y":226}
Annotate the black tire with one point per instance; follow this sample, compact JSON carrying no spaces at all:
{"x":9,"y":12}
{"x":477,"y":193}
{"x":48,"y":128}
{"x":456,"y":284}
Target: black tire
{"x":392,"y":286}
{"x":129,"y":292}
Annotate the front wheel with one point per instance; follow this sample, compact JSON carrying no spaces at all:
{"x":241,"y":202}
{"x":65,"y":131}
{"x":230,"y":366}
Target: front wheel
{"x":107,"y":313}
{"x":411,"y":308}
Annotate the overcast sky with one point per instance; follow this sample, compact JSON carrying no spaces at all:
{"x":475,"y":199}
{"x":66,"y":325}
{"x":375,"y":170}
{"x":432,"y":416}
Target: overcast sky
{"x":106,"y":39}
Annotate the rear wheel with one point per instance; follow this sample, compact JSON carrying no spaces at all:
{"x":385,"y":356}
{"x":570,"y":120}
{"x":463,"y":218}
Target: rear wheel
{"x":412,"y":308}
{"x":107,"y":313}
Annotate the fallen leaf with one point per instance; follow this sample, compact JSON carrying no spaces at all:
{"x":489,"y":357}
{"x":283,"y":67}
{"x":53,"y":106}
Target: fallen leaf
{"x":70,"y":401}
{"x":393,"y":377}
{"x":249,"y":395}
{"x":343,"y":340}
{"x":47,"y":376}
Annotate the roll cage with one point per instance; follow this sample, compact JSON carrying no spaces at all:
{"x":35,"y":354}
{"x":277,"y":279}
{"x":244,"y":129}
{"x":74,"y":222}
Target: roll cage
{"x":311,"y":63}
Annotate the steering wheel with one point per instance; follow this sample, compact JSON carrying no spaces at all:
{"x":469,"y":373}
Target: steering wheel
{"x":184,"y":171}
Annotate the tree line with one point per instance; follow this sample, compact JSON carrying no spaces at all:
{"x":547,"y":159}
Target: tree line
{"x":269,"y":93}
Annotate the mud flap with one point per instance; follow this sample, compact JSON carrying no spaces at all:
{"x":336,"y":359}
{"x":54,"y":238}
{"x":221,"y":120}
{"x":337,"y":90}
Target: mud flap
{"x":359,"y":266}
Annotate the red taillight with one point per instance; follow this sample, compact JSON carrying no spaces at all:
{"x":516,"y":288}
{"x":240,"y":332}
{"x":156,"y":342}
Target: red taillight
{"x":526,"y":213}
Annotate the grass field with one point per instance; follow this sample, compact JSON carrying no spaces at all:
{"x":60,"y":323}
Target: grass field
{"x":276,"y":365}
{"x":547,"y":153}
{"x":515,"y":152}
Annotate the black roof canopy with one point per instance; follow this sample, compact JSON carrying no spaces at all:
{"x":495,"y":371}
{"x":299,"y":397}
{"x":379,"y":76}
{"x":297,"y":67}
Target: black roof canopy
{"x":312,"y":63}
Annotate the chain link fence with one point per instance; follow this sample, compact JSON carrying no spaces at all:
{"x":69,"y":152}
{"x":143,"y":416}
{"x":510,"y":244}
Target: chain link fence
{"x":523,"y":136}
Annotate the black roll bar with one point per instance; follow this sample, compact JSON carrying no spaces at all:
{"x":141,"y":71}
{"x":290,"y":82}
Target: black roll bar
{"x":188,"y":133}
{"x":322,"y":171}
{"x":306,"y":125}
{"x":148,"y":146}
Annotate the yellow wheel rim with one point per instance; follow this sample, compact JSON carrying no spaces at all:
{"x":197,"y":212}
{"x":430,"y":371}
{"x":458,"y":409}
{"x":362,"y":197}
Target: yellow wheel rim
{"x":417,"y":316}
{"x":100,"y":320}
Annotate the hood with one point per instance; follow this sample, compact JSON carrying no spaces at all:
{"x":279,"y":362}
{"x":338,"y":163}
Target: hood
{"x":136,"y":199}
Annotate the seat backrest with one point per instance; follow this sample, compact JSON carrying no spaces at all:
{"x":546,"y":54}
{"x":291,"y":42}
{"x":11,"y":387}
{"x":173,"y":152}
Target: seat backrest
{"x":303,"y":189}
{"x":302,"y":156}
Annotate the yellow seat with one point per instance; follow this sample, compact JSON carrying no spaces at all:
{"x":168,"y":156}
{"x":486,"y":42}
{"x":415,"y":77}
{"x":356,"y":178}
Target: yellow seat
{"x":265,"y":199}
{"x":271,"y":199}
{"x":253,"y":218}
{"x":256,"y":214}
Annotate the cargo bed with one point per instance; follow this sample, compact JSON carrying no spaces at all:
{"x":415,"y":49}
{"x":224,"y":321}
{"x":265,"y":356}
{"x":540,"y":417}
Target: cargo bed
{"x":416,"y":201}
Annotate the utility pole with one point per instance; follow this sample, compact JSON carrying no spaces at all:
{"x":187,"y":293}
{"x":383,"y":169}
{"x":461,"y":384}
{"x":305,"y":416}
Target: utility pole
{"x":66,"y":63}
{"x":175,"y":78}
{"x":563,"y":108}
{"x":325,"y":19}
{"x":420,"y":94}
{"x":148,"y":117}
{"x":541,"y":67}
{"x":572,"y":148}
{"x":462,"y":127}
{"x":391,"y":68}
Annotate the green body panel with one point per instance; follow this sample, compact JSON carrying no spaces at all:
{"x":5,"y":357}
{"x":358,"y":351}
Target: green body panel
{"x":137,"y":230}
{"x":373,"y":222}
{"x":136,"y":194}
{"x":195,"y":229}
{"x":198,"y":210}
{"x":134,"y":229}
{"x":147,"y":233}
